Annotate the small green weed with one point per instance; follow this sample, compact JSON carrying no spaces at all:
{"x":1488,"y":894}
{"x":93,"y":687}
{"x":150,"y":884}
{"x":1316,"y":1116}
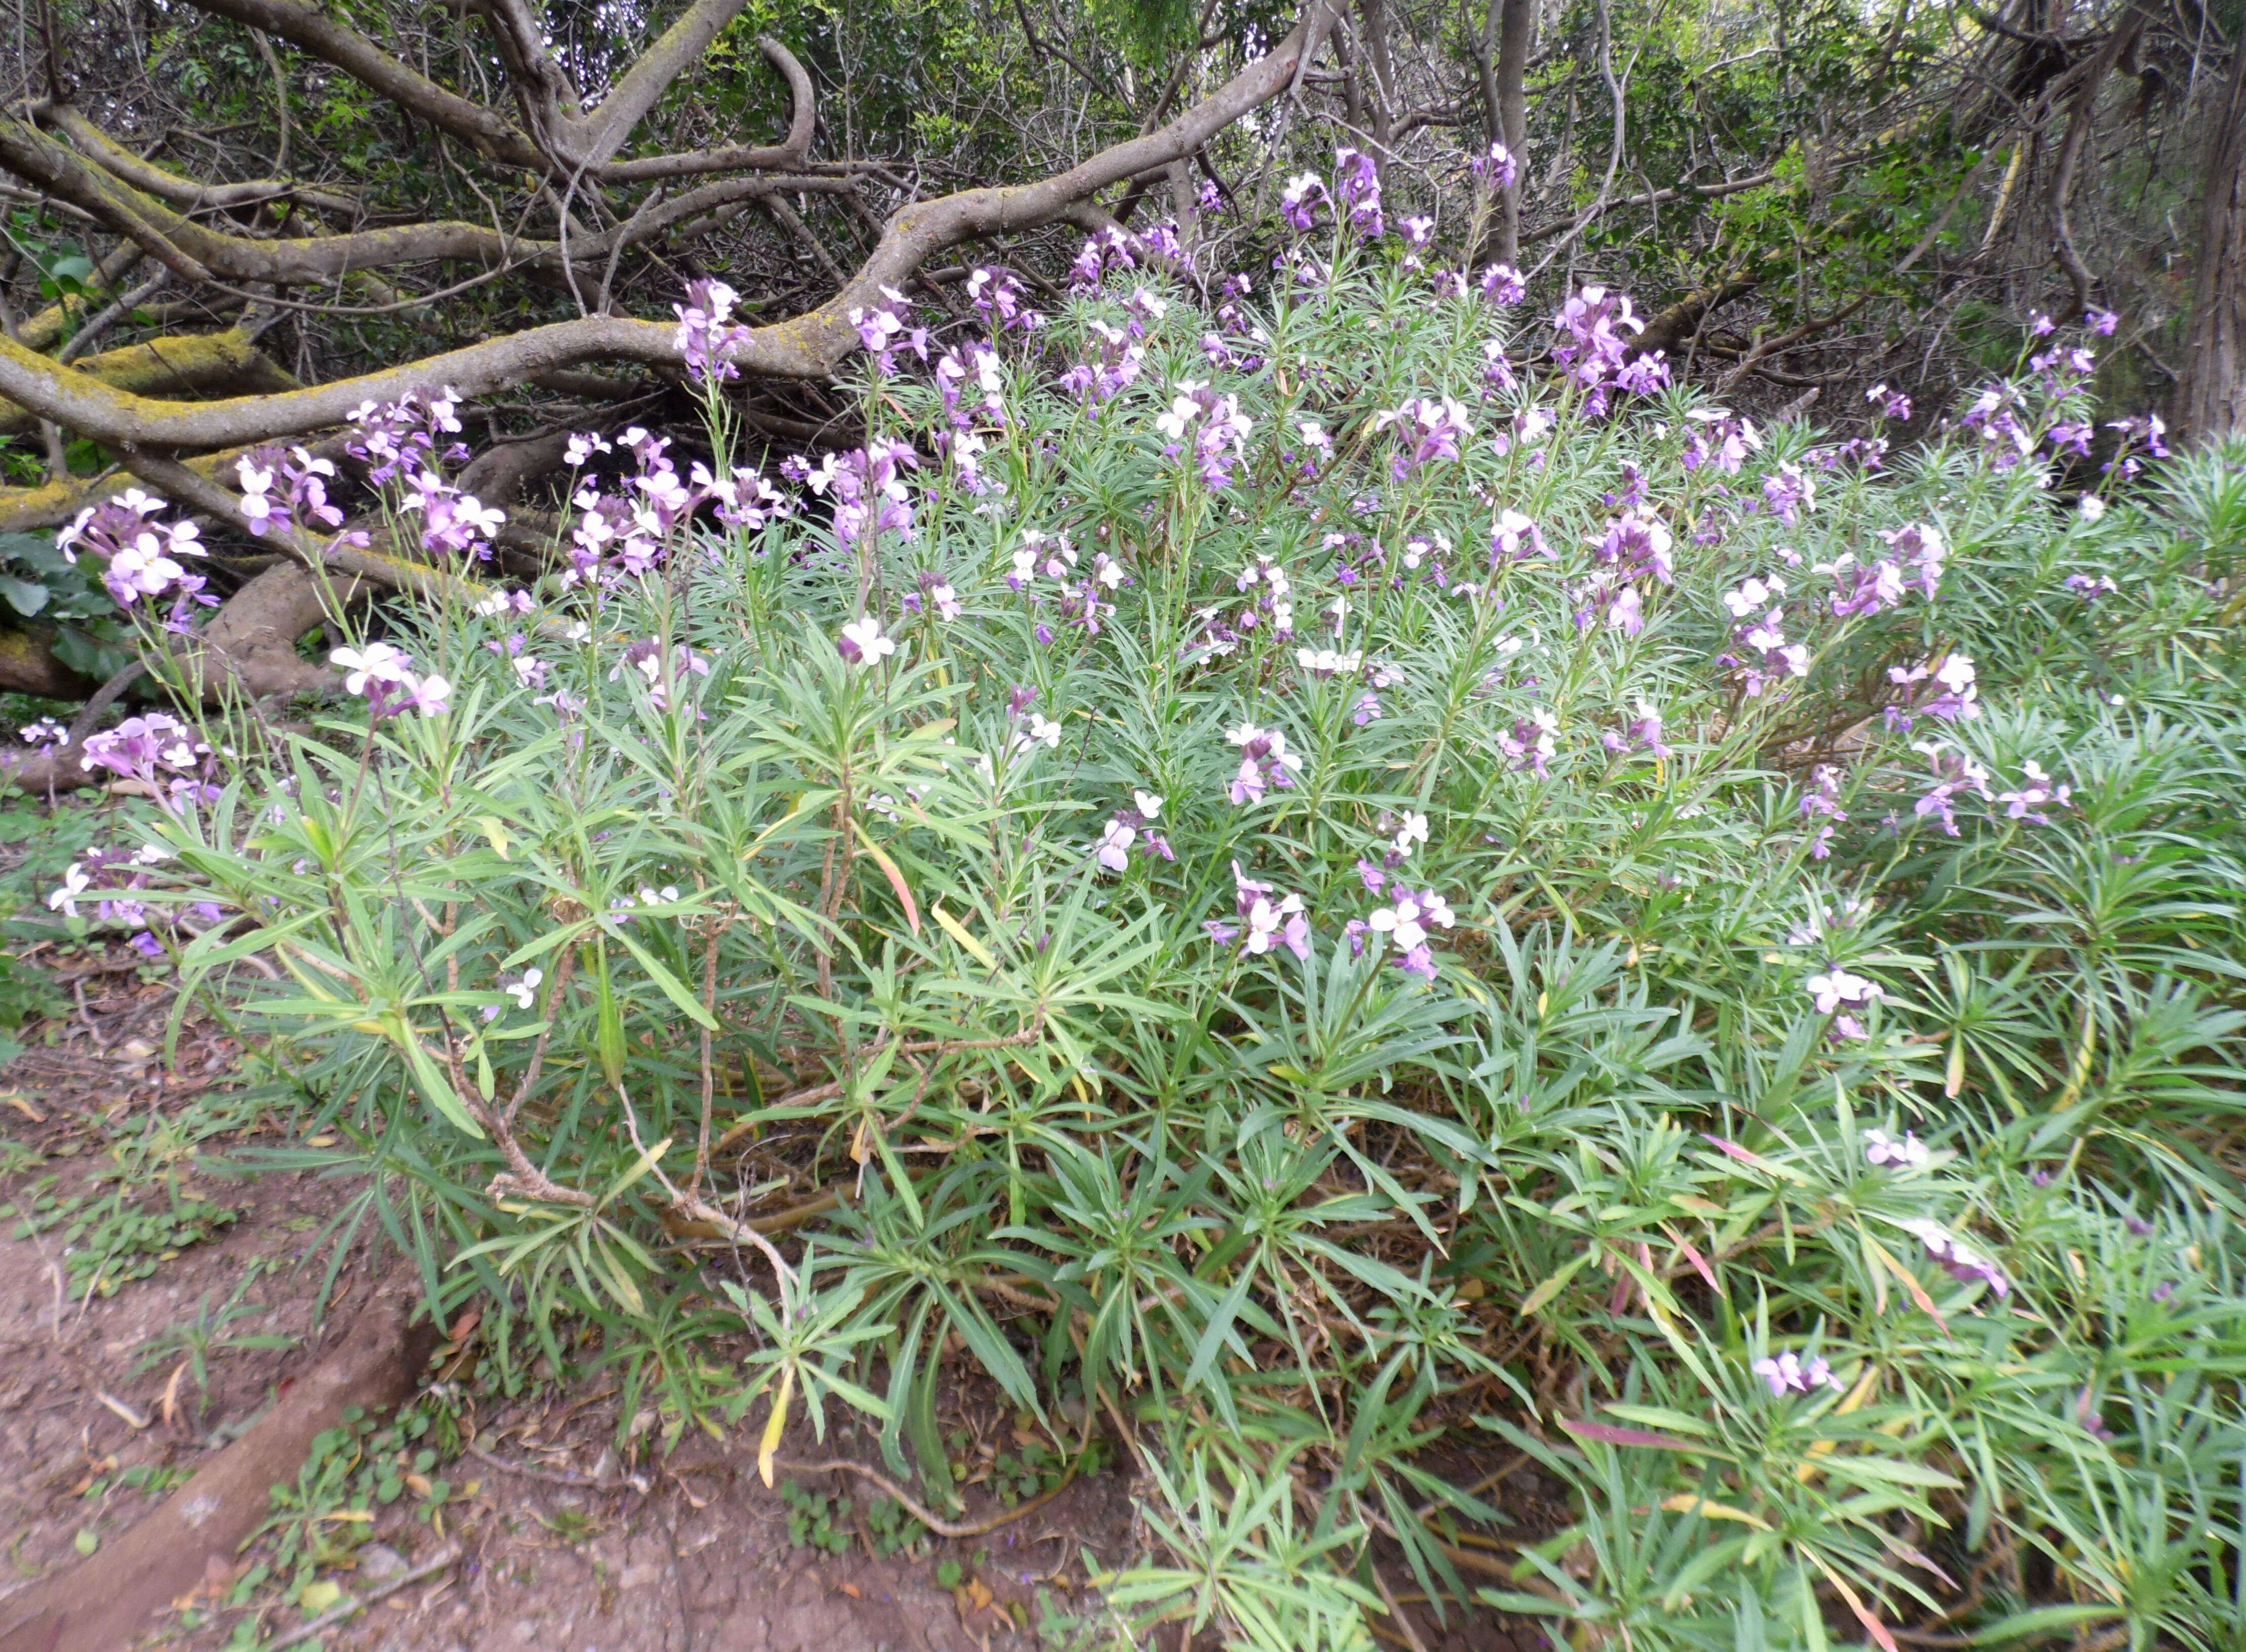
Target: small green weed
{"x":198,"y":1339}
{"x":816,"y":1520}
{"x":112,"y":1237}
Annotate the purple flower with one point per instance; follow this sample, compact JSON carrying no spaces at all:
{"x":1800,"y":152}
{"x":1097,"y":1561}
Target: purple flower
{"x":1496,"y":166}
{"x":1789,"y":1373}
{"x":1430,"y":430}
{"x":1357,"y":187}
{"x":1300,"y":200}
{"x":1264,"y":761}
{"x":1592,"y":343}
{"x":1501,"y":284}
{"x":1264,"y":923}
{"x":1892,"y":404}
{"x":2101,"y":321}
{"x":1960,"y":1261}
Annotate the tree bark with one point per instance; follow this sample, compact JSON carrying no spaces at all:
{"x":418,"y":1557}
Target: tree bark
{"x":2211,"y":403}
{"x":1516,"y":43}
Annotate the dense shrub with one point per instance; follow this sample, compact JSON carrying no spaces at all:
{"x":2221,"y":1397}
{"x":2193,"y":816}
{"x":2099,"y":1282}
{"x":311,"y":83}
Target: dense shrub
{"x":1342,"y":885}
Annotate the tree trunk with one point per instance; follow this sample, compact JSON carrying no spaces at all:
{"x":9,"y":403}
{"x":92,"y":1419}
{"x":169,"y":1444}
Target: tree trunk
{"x":2211,"y":402}
{"x":1516,"y":40}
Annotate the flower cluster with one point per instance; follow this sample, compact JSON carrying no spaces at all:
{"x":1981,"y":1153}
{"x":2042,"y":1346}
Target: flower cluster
{"x":282,"y":490}
{"x":139,"y":556}
{"x":1404,"y":925}
{"x":1837,"y":987}
{"x":390,"y":438}
{"x":1957,"y":1258}
{"x":707,"y":336}
{"x":1884,"y":1151}
{"x":867,"y":486}
{"x":1263,"y":922}
{"x":384,"y":674}
{"x":1496,"y":166}
{"x":1594,"y":328}
{"x":1264,"y":762}
{"x":1133,"y":826}
{"x":1429,"y":428}
{"x":1790,"y":1374}
{"x":1357,"y":190}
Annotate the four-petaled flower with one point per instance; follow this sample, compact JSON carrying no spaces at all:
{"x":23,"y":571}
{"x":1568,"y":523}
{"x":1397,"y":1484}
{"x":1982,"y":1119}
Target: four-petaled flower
{"x":863,"y":644}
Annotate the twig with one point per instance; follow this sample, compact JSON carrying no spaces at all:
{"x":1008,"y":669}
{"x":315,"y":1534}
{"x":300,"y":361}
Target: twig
{"x":352,"y":1603}
{"x":558,"y":1477}
{"x":926,"y":1517}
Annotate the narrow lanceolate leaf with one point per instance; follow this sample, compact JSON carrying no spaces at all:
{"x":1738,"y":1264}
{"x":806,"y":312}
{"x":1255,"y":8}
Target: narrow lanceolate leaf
{"x":775,"y":1426}
{"x":889,"y":871}
{"x":1609,"y":1434}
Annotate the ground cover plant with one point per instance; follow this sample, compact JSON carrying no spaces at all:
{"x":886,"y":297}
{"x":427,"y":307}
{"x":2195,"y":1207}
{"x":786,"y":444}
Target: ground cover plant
{"x":1320,"y":880}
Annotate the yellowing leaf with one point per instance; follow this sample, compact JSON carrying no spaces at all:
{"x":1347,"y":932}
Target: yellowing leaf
{"x":958,"y":931}
{"x":1685,"y":1503}
{"x":316,"y":1598}
{"x":494,"y":833}
{"x":775,"y":1426}
{"x":889,"y":871}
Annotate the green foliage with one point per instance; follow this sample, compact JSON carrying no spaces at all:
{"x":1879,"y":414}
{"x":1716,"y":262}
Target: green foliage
{"x":1807,"y":1127}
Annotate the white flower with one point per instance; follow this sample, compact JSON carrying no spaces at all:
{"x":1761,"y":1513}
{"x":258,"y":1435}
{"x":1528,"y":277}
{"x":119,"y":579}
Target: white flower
{"x":1909,"y":1153}
{"x":1149,"y":806}
{"x":66,"y":899}
{"x":1113,"y":849}
{"x":1753,"y":594}
{"x":1414,"y":830}
{"x":378,"y":663}
{"x":863,"y":644}
{"x":1838,"y":988}
{"x":2091,"y":507}
{"x":523,"y":990}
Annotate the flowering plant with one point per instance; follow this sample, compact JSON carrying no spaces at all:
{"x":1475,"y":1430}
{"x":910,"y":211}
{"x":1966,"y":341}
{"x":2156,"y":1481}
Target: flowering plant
{"x":1325,"y":905}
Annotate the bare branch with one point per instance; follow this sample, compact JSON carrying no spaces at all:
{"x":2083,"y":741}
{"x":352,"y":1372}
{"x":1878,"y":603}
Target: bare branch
{"x":114,"y":157}
{"x":806,"y":346}
{"x":784,"y":156}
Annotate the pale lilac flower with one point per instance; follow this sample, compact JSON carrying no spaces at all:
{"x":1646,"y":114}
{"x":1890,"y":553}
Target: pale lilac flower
{"x":1264,"y":761}
{"x":1838,"y":987}
{"x":43,"y":732}
{"x":1514,"y":538}
{"x":863,"y":644}
{"x":1960,"y":1261}
{"x":2028,"y":801}
{"x":1263,"y":921}
{"x":1885,"y":1151}
{"x":431,"y":695}
{"x":1789,"y":1373}
{"x":1113,"y":849}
